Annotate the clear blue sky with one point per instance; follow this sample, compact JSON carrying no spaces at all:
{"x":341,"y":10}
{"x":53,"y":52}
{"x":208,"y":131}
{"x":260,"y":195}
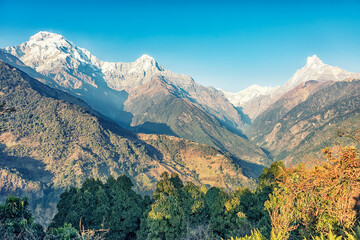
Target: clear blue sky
{"x":225,"y":44}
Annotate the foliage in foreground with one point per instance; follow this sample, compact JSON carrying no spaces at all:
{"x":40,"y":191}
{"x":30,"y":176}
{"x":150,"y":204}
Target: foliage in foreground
{"x":96,"y":205}
{"x":16,"y":221}
{"x":320,"y":199}
{"x":319,"y":203}
{"x":256,"y":235}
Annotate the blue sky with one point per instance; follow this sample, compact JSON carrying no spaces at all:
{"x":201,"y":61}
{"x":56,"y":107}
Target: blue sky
{"x":225,"y":44}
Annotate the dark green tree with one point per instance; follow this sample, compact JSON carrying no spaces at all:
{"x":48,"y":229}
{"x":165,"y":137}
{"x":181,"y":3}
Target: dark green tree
{"x":194,"y":205}
{"x":67,"y":232}
{"x":165,"y":218}
{"x":113,"y":206}
{"x":16,"y":221}
{"x":126,"y":208}
{"x":215,"y":199}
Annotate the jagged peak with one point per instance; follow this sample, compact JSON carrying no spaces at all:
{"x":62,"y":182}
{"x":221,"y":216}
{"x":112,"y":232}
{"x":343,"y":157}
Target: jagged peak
{"x":147,"y":62}
{"x":44,"y":35}
{"x":313,"y":60}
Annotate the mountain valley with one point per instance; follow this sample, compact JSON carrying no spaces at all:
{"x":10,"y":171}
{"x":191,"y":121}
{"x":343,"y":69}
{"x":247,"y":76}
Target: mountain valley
{"x":54,"y":140}
{"x":121,"y":92}
{"x":78,"y":117}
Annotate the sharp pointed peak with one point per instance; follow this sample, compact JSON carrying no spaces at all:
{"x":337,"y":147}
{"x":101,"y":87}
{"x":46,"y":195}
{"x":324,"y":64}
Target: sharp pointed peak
{"x":147,"y":62}
{"x":43,"y":35}
{"x":313,"y":60}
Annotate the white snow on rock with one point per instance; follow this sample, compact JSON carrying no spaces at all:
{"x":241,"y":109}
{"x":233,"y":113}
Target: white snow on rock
{"x":49,"y":52}
{"x":249,"y":93}
{"x":314,"y":69}
{"x":71,"y":66}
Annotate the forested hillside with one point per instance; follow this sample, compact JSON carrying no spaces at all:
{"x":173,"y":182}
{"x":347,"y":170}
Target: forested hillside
{"x":321,"y":202}
{"x":54,"y":141}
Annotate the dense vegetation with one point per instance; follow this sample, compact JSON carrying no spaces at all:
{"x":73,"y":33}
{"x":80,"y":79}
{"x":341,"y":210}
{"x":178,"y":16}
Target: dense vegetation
{"x":321,"y":202}
{"x":54,"y":141}
{"x":52,"y":144}
{"x":176,"y":211}
{"x":16,"y":221}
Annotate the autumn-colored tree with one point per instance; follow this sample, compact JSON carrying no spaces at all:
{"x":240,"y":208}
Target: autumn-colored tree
{"x":319,"y":199}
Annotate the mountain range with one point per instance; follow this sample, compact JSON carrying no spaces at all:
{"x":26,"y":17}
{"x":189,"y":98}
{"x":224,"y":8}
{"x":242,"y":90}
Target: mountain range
{"x":76,"y":70}
{"x":307,"y":119}
{"x":298,"y":119}
{"x":77,"y":117}
{"x":256,"y":99}
{"x":54,"y":140}
{"x":132,"y":94}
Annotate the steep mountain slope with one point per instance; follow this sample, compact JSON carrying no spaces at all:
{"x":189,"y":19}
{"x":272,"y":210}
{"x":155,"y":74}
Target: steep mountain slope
{"x":266,"y":121}
{"x":127,"y":93}
{"x":306,"y":119}
{"x":187,"y":120}
{"x":52,"y":143}
{"x":76,"y":70}
{"x":255,"y":99}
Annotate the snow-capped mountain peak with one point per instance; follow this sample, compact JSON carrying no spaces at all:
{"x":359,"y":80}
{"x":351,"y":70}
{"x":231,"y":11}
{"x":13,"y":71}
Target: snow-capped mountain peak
{"x":145,"y":57}
{"x":315,"y":69}
{"x":314,"y":60}
{"x":249,"y":93}
{"x":76,"y":70}
{"x":46,"y":51}
{"x":146,"y":63}
{"x":52,"y":54}
{"x":44,"y":36}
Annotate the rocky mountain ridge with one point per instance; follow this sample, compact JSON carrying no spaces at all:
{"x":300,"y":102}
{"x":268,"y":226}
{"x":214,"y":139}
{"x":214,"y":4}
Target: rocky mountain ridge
{"x":127,"y":94}
{"x":77,"y":71}
{"x":256,"y":99}
{"x":308,"y":118}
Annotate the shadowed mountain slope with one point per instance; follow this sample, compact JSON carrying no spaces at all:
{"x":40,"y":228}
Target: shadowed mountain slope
{"x":307,"y":119}
{"x":55,"y":140}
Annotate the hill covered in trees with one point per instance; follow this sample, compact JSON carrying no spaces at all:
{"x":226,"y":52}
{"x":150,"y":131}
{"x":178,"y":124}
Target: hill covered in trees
{"x":54,"y":141}
{"x":321,"y":202}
